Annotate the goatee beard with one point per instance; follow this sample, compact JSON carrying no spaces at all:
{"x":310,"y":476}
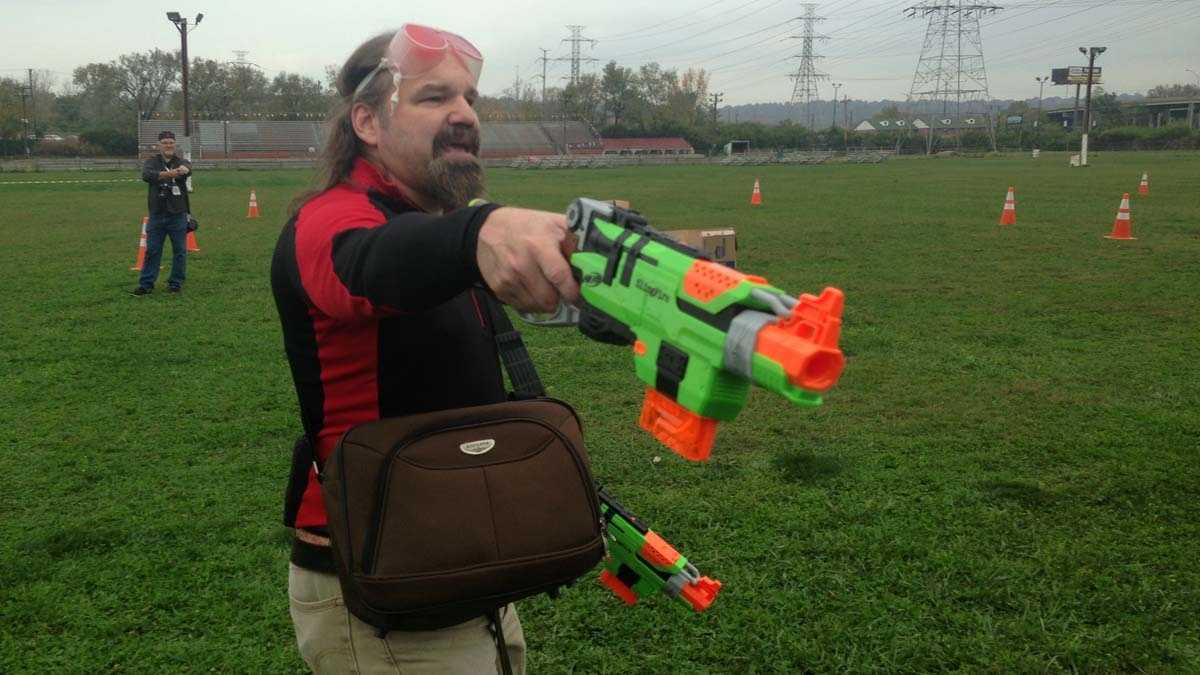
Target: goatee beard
{"x":453,"y":183}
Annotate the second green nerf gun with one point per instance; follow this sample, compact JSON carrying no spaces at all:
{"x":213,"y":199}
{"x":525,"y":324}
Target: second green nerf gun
{"x":642,"y":563}
{"x":701,"y":332}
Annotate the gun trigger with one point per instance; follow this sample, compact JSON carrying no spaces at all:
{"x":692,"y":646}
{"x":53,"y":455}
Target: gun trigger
{"x":689,"y":435}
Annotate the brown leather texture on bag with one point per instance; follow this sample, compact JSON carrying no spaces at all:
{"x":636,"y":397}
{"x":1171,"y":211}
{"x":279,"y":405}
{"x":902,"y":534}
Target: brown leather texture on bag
{"x":441,"y":517}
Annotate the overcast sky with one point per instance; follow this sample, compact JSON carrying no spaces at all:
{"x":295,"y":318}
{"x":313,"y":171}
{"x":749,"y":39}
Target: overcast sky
{"x":873,"y":49}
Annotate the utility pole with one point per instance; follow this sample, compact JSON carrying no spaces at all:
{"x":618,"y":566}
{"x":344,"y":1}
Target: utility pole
{"x":25,"y":95}
{"x":1075,"y":110}
{"x":1087,"y":112}
{"x":32,"y":105}
{"x":543,"y":59}
{"x":181,"y":24}
{"x":845,"y":122}
{"x":1037,"y":122}
{"x":836,"y":86}
{"x":716,"y":99}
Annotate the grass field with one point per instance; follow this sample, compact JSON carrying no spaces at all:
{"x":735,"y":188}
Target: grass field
{"x":1005,"y":479}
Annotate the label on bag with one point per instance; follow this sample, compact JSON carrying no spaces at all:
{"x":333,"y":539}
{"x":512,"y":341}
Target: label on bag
{"x":478,"y":447}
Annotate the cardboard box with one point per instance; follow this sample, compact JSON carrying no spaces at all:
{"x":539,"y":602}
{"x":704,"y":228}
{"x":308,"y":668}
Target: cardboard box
{"x":720,"y":245}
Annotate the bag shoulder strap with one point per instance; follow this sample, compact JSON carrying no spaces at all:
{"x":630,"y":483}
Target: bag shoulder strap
{"x":513,"y":354}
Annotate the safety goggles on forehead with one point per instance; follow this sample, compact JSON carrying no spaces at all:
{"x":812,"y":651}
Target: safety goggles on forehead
{"x":415,"y":50}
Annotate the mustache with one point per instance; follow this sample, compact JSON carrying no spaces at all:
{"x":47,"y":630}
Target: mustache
{"x":461,"y":136}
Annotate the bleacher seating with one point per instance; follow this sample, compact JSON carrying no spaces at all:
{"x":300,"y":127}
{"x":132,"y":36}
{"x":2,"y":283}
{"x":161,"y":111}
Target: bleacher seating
{"x":261,"y":139}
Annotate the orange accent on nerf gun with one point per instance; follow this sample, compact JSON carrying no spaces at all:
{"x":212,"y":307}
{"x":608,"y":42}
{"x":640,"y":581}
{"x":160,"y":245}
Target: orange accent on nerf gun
{"x":639,"y":348}
{"x":622,"y":591}
{"x":657,"y":551}
{"x":706,"y":280}
{"x":701,"y":593}
{"x":676,"y":427}
{"x":806,"y":342}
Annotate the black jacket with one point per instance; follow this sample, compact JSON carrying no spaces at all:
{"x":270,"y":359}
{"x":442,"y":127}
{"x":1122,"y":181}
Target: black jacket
{"x":161,"y":199}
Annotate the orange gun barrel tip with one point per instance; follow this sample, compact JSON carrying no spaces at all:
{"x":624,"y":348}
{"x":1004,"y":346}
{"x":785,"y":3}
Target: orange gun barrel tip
{"x":820,"y":371}
{"x":701,"y":593}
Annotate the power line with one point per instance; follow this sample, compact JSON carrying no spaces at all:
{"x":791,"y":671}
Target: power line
{"x":641,"y":32}
{"x":807,"y":76}
{"x":576,"y":41}
{"x":722,"y":26}
{"x":950,"y":73}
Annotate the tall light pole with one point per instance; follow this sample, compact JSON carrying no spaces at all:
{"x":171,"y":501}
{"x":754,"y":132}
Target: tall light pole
{"x":181,"y":24}
{"x":836,"y":86}
{"x":1087,"y":111}
{"x":1196,"y":74}
{"x":1037,"y":122}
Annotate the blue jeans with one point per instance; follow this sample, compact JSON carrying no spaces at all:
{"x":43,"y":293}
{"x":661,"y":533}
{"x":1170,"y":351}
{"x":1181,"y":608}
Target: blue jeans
{"x":158,"y":229}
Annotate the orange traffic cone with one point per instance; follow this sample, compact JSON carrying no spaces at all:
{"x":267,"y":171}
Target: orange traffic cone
{"x":1122,"y":226}
{"x":1144,"y":186}
{"x":756,"y":196}
{"x":192,"y":245}
{"x":253,"y":211}
{"x":141,"y":255}
{"x":1009,"y":215}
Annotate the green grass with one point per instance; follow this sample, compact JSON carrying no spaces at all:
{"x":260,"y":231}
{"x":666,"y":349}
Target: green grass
{"x":1005,"y":479}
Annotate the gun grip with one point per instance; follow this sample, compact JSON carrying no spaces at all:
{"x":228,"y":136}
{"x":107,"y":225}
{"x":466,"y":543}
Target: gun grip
{"x":689,"y":435}
{"x":616,"y":586}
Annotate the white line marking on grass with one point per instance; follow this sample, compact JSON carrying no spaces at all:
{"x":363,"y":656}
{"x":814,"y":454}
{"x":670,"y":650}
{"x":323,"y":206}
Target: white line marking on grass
{"x":63,"y":182}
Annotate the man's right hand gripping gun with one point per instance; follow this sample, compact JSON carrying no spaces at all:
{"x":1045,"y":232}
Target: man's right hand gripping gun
{"x":642,"y":563}
{"x":701,"y":332}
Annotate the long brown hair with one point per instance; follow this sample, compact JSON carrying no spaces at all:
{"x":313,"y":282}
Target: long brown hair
{"x":342,"y":145}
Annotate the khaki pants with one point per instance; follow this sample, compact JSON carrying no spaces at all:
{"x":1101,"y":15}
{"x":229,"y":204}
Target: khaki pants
{"x":332,"y":640}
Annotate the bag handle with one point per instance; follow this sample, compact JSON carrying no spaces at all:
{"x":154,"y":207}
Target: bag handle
{"x":513,"y":354}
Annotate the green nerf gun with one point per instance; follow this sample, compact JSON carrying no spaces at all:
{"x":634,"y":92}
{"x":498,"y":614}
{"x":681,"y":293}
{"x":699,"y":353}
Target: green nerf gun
{"x":701,"y":332}
{"x":642,"y":563}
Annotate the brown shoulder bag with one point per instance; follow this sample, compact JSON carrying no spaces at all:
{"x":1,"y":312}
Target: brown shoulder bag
{"x":445,"y":516}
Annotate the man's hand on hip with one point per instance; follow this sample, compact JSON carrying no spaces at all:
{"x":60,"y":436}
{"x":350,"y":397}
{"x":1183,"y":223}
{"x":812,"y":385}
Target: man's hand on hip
{"x":522,"y":256}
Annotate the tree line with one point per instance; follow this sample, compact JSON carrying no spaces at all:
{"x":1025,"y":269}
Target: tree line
{"x":101,"y":104}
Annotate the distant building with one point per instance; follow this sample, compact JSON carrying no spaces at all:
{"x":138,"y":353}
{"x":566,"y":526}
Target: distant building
{"x":1154,"y":112}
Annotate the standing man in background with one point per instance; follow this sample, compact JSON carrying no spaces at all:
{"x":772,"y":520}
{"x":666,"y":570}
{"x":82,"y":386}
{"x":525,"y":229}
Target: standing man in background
{"x":167,"y":204}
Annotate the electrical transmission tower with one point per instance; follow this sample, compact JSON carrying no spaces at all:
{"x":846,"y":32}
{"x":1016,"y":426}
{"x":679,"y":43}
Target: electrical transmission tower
{"x":807,"y":76}
{"x":950,"y":79}
{"x":576,"y":41}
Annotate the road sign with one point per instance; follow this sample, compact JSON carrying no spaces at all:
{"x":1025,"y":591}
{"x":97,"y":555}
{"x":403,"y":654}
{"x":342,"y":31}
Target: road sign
{"x":1074,"y":75}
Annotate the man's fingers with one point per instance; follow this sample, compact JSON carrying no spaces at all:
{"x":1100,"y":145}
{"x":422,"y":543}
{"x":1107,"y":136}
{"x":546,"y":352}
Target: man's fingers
{"x":541,"y":292}
{"x":557,"y":272}
{"x":527,"y":297}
